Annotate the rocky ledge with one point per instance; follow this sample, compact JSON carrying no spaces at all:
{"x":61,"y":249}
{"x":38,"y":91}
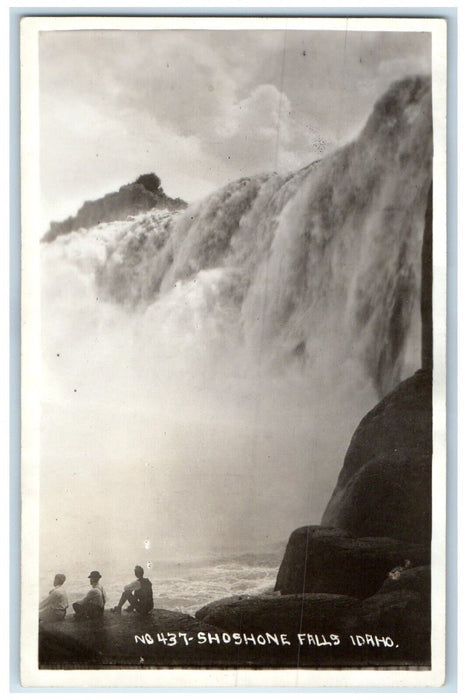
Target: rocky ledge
{"x":331,"y":560}
{"x":135,"y":198}
{"x":125,"y":640}
{"x":316,"y":630}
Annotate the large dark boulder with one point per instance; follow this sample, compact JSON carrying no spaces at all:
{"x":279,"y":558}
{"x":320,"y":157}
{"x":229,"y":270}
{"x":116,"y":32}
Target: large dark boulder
{"x":150,"y":182}
{"x":327,"y":560}
{"x":384,"y":487}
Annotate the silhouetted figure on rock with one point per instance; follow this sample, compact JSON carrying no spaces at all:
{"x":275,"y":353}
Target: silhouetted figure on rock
{"x":92,"y":605}
{"x":138,"y":594}
{"x":53,"y":607}
{"x":396,"y":572}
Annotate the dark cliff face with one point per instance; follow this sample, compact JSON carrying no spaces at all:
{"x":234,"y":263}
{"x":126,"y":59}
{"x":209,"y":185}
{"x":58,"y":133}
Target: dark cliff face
{"x":137,"y":197}
{"x":426,"y":305}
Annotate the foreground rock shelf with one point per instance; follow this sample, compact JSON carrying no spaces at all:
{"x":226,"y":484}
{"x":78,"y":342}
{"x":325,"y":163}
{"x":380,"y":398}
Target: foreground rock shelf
{"x":119,"y":640}
{"x":315,"y":630}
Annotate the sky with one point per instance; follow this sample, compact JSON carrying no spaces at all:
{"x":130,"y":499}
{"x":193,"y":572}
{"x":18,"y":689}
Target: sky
{"x":202,"y":108}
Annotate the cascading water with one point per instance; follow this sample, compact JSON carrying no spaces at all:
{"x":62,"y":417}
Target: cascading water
{"x":203,"y":371}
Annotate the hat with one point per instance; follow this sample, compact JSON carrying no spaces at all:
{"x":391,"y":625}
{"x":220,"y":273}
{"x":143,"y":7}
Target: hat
{"x":94,"y":574}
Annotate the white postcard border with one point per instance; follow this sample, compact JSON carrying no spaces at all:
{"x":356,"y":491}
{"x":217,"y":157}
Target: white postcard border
{"x":30,"y":368}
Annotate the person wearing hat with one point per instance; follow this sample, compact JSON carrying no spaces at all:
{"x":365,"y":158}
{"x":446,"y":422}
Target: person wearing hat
{"x":395,"y":573}
{"x":92,"y":605}
{"x":53,"y":607}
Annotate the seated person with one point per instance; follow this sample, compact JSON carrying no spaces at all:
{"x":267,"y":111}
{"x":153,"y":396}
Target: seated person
{"x":396,"y":572}
{"x":53,"y":607}
{"x":138,"y":594}
{"x":92,"y":605}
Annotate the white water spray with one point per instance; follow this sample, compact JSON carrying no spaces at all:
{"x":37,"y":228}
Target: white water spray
{"x":203,"y":372}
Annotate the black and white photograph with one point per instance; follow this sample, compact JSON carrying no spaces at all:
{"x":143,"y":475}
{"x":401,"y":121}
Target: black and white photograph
{"x":233,"y":360}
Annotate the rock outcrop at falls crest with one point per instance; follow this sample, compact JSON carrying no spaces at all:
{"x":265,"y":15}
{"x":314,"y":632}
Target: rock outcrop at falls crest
{"x":139,"y":196}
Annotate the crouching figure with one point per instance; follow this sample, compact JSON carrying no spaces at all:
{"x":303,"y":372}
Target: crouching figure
{"x":138,"y":595}
{"x":92,"y":605}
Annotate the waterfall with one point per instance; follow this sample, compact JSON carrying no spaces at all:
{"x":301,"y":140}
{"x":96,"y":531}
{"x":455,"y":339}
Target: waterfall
{"x":203,"y":370}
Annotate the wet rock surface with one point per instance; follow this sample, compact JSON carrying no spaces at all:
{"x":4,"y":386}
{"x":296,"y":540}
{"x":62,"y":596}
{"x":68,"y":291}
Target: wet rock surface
{"x":125,"y":640}
{"x":319,"y":559}
{"x":310,"y":631}
{"x":384,"y":487}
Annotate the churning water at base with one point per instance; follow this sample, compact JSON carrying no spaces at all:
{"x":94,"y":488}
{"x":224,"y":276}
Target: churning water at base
{"x":203,"y":372}
{"x":184,"y":586}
